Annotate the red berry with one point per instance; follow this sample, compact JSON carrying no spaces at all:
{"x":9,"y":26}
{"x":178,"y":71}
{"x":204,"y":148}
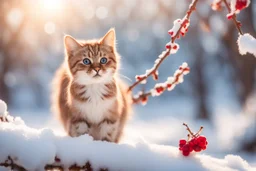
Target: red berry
{"x":183,"y":34}
{"x":182,"y":142}
{"x":138,"y":78}
{"x":201,"y":138}
{"x":159,"y":89}
{"x":241,"y":4}
{"x":186,"y":149}
{"x":169,"y":85}
{"x":168,"y":46}
{"x":185,"y":153}
{"x":144,"y":99}
{"x":171,"y":33}
{"x":196,"y":148}
{"x":229,"y":16}
{"x":175,"y":47}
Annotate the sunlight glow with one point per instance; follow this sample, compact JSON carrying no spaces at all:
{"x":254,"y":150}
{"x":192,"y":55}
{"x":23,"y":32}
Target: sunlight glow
{"x":51,"y":4}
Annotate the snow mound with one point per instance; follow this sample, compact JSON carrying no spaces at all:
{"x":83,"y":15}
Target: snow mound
{"x":33,"y":149}
{"x":3,"y":108}
{"x":246,"y":44}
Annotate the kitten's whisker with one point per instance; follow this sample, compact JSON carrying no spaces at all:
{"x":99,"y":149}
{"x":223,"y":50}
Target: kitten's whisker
{"x":125,"y":77}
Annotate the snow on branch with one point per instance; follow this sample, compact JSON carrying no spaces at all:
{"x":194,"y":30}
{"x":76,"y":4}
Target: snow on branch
{"x":180,"y":27}
{"x":27,"y":149}
{"x":246,"y":44}
{"x":159,"y":88}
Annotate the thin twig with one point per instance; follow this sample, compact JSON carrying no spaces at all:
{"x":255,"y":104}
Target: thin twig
{"x":192,"y":7}
{"x":237,"y":23}
{"x":9,"y":163}
{"x":190,"y":132}
{"x":199,"y":131}
{"x":86,"y":167}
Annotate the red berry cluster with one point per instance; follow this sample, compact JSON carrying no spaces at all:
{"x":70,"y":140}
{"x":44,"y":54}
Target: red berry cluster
{"x":197,"y":143}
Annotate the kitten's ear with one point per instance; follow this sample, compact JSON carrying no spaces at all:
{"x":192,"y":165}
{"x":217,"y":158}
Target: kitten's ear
{"x":70,"y":43}
{"x":110,"y":38}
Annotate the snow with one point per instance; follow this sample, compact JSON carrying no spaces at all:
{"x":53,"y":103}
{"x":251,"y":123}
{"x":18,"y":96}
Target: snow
{"x":246,"y":44}
{"x":34,"y":148}
{"x":173,"y":46}
{"x":177,"y":25}
{"x":3,"y":108}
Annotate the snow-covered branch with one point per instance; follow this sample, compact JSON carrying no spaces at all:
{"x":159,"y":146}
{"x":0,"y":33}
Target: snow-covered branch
{"x":246,"y":42}
{"x":180,"y":27}
{"x":233,"y":10}
{"x":159,"y":88}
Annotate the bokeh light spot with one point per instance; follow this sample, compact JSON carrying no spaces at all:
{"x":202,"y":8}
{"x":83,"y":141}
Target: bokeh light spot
{"x":14,"y":18}
{"x":102,"y":12}
{"x":49,"y":27}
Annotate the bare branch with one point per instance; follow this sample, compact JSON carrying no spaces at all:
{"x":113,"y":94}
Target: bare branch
{"x":9,"y":163}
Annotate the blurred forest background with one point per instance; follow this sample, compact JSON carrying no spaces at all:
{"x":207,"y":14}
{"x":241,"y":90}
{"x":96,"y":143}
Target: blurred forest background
{"x":221,"y":81}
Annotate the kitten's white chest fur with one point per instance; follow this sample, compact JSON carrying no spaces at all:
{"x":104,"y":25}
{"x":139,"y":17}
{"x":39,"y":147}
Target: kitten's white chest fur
{"x":96,"y":107}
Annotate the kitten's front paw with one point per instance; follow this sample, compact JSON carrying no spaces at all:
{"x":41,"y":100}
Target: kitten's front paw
{"x":78,"y":128}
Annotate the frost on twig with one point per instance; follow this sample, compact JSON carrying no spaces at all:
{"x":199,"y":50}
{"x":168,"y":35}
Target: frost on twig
{"x":168,"y":85}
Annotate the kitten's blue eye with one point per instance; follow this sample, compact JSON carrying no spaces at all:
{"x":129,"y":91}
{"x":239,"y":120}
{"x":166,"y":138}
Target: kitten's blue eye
{"x":87,"y":61}
{"x":103,"y":60}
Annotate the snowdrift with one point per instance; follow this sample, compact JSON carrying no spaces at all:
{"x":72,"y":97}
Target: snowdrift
{"x":25,"y":148}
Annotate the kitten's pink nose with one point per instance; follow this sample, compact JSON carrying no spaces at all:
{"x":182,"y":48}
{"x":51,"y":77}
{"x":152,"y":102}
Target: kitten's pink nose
{"x":97,"y":69}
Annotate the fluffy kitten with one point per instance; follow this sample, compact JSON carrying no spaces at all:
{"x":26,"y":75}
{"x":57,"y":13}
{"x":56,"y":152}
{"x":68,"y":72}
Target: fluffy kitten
{"x":88,"y":96}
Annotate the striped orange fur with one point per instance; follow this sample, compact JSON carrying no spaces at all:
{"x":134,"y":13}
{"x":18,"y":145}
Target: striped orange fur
{"x":88,"y":96}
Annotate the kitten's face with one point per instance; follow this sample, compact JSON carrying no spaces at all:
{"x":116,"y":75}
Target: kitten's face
{"x":92,"y":62}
